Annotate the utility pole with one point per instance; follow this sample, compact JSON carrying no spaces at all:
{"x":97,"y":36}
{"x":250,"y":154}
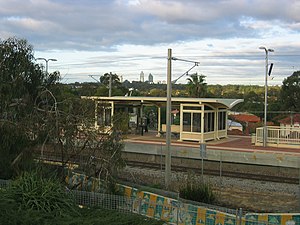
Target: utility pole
{"x":109,"y":91}
{"x":168,"y":114}
{"x":168,"y":123}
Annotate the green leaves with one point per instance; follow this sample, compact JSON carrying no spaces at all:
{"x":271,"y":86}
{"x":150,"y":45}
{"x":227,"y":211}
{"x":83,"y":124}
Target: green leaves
{"x":35,"y":192}
{"x":196,"y":86}
{"x":290,"y":92}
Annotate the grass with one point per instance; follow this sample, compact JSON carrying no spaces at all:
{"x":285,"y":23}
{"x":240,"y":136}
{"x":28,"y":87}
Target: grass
{"x":94,"y":216}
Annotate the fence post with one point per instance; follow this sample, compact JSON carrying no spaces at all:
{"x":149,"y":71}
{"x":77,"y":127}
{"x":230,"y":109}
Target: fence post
{"x":178,"y":208}
{"x":240,"y":216}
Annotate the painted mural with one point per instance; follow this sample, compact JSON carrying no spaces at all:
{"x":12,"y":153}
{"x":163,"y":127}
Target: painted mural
{"x":176,"y":212}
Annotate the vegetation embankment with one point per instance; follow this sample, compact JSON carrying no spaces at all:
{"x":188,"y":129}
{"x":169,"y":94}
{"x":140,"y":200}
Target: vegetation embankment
{"x":36,"y":198}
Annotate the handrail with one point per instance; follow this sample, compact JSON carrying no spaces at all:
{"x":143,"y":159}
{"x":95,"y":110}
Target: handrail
{"x":279,"y":136}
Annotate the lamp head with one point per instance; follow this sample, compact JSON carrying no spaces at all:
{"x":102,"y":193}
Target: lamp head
{"x":262,"y":47}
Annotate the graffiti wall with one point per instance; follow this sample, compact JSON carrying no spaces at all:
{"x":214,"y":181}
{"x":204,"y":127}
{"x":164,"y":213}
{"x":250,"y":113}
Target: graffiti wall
{"x":176,"y":212}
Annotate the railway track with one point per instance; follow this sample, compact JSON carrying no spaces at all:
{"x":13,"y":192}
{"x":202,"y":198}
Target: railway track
{"x":212,"y":172}
{"x":207,"y":171}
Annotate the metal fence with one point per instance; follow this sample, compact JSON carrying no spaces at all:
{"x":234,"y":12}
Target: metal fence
{"x":175,"y":212}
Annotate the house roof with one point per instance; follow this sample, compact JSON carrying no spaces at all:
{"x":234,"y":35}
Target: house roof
{"x":246,"y":118}
{"x":287,"y":120}
{"x":231,"y":123}
{"x":216,"y":102}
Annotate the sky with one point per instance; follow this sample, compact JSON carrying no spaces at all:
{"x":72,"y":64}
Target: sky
{"x":93,"y":37}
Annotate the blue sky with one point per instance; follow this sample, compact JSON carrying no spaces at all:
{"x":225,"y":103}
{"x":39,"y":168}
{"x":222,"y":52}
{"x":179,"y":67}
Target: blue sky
{"x":92,"y":37}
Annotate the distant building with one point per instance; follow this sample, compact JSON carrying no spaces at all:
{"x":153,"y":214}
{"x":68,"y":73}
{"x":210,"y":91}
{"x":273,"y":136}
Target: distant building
{"x":290,"y":121}
{"x":142,"y":77}
{"x":150,"y":78}
{"x":249,"y":120}
{"x":121,"y":78}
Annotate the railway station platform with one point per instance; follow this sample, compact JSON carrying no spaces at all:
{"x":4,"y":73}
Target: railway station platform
{"x":235,"y":149}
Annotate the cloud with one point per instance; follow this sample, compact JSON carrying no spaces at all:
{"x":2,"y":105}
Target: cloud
{"x":128,"y":36}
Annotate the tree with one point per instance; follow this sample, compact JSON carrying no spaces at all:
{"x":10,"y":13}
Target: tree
{"x":290,"y":92}
{"x":21,"y":82}
{"x":20,"y":78}
{"x":196,"y":86}
{"x":117,"y":88}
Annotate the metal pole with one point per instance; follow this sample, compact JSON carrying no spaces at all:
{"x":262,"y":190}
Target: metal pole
{"x":168,"y":123}
{"x":47,"y":66}
{"x":109,"y":91}
{"x":46,"y":61}
{"x":266,"y":101}
{"x":202,"y":164}
{"x":265,"y":133}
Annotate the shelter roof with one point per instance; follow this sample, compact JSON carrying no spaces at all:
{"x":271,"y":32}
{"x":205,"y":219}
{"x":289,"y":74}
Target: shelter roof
{"x":161,"y":101}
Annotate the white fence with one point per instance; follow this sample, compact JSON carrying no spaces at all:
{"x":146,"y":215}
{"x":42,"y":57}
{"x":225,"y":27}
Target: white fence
{"x":288,"y":137}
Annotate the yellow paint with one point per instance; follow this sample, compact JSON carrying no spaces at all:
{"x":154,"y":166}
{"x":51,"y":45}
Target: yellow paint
{"x":152,"y":204}
{"x":166,"y":209}
{"x":263,"y":217}
{"x":201,"y":215}
{"x":220,"y":218}
{"x":285,"y":218}
{"x":127,"y":191}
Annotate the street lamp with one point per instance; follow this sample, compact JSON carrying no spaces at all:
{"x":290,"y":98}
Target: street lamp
{"x":265,"y":133}
{"x":46,"y":60}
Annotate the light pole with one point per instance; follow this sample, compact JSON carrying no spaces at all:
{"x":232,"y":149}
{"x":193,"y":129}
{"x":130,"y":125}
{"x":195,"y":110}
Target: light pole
{"x":46,"y":60}
{"x":265,"y":133}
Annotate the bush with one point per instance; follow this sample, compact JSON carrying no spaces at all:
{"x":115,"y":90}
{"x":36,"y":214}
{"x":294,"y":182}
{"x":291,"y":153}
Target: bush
{"x":197,"y":191}
{"x":13,"y":150}
{"x":32,"y":191}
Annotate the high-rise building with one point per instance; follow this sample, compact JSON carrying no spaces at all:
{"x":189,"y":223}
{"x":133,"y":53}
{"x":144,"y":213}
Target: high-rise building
{"x":142,"y":77}
{"x":150,"y":78}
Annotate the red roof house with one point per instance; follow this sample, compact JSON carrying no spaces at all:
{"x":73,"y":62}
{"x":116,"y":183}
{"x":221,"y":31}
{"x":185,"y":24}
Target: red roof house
{"x":293,"y":119}
{"x":248,"y":118}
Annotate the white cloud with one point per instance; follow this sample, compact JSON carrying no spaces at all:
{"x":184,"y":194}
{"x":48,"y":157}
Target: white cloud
{"x":127,"y":36}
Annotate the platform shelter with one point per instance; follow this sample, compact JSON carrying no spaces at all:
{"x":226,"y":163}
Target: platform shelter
{"x":198,"y":119}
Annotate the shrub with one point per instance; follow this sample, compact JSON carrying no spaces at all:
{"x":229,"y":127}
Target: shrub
{"x":197,"y":191}
{"x":32,"y":191}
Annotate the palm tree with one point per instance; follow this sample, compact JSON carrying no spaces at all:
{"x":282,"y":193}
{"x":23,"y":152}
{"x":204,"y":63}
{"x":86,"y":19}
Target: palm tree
{"x":196,"y":86}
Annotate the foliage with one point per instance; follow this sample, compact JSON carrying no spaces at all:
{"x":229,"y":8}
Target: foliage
{"x":106,"y":161}
{"x":21,"y":84}
{"x":194,"y":190}
{"x":20,"y":78}
{"x":290,"y":92}
{"x":196,"y":86}
{"x":32,"y":191}
{"x":14,"y":150}
{"x":117,"y":88}
{"x":121,"y":121}
{"x":33,"y":199}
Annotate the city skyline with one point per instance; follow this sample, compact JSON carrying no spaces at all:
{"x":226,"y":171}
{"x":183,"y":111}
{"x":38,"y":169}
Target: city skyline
{"x":129,"y":36}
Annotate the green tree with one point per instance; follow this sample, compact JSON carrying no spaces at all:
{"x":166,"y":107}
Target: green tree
{"x":117,"y":88}
{"x":196,"y":86}
{"x":21,"y":82}
{"x":290,"y":92}
{"x":157,"y":92}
